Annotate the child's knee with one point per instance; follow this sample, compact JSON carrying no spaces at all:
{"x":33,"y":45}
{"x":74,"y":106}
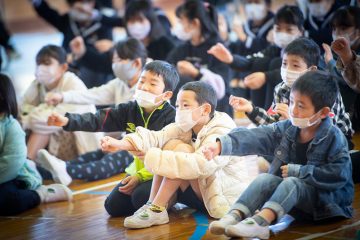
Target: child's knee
{"x":178,"y":146}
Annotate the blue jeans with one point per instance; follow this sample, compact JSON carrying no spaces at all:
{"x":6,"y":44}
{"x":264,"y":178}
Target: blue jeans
{"x":278,"y":194}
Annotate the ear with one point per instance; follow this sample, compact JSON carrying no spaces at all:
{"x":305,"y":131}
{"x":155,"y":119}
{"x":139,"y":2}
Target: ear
{"x":64,"y":67}
{"x":168,"y":95}
{"x":137,"y":63}
{"x":324,"y":112}
{"x":207,"y":109}
{"x":313,"y":68}
{"x":196,"y":22}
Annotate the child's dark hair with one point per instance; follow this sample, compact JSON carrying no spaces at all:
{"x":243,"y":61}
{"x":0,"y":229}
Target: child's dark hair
{"x":290,"y":15}
{"x":305,"y":48}
{"x":136,"y":8}
{"x":267,"y":2}
{"x":51,"y":51}
{"x":8,"y":104}
{"x":321,"y":87}
{"x":131,"y":48}
{"x":166,"y":71}
{"x":345,"y":17}
{"x":204,"y":93}
{"x":206,"y":14}
{"x":72,"y":2}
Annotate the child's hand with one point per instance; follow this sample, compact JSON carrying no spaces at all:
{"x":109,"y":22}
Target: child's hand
{"x":56,"y":119}
{"x":53,"y":98}
{"x":255,"y":80}
{"x":109,"y":144}
{"x":341,"y":47}
{"x":212,"y":150}
{"x":240,"y":104}
{"x":130,"y":182}
{"x":283,"y":110}
{"x":328,"y":56}
{"x":221,"y":52}
{"x":284,"y":171}
{"x":77,"y":47}
{"x":187,"y":68}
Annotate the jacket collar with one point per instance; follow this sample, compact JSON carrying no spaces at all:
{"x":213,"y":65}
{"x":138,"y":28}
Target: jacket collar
{"x":320,"y":134}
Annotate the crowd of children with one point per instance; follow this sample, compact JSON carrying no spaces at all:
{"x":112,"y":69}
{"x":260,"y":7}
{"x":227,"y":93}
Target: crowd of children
{"x":173,"y":96}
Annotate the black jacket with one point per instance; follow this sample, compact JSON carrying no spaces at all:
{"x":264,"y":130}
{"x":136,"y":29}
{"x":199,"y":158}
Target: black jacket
{"x":123,"y":117}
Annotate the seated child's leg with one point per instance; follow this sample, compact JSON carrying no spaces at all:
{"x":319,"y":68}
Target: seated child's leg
{"x":140,"y":195}
{"x":35,"y":143}
{"x":156,"y":182}
{"x":87,"y":157}
{"x":15,"y":200}
{"x":118,"y":204}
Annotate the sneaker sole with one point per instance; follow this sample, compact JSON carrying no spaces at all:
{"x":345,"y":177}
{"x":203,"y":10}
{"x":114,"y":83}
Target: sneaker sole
{"x":45,"y":163}
{"x":230,"y":233}
{"x":136,"y":226}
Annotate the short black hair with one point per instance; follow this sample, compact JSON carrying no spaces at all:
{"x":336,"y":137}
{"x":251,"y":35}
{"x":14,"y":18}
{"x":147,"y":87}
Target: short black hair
{"x":321,"y":87}
{"x":131,"y":48}
{"x":290,"y":15}
{"x":206,"y":13}
{"x":347,"y":16}
{"x":166,"y":71}
{"x":51,"y":51}
{"x":8,"y":103}
{"x":136,"y":8}
{"x":204,"y":93}
{"x":72,"y":2}
{"x":305,"y":48}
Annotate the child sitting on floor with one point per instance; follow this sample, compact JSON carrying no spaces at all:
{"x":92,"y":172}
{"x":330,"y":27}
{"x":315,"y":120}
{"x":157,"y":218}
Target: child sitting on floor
{"x":174,"y":155}
{"x":20,"y":186}
{"x":311,"y":170}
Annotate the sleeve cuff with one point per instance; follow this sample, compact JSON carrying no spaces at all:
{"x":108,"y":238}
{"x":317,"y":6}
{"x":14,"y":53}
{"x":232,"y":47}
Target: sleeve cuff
{"x":226,"y":145}
{"x":294,"y":170}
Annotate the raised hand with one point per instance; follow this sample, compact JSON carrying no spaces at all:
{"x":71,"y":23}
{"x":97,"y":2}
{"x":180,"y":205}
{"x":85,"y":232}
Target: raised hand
{"x":255,"y":80}
{"x":328,"y":56}
{"x":78,"y":47}
{"x":187,"y":68}
{"x":221,"y":52}
{"x":240,"y":104}
{"x":283,"y":110}
{"x":341,"y":46}
{"x":56,"y":119}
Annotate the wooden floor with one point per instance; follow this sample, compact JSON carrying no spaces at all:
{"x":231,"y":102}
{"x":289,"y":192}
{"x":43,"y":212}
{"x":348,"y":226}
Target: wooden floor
{"x":86,"y":218}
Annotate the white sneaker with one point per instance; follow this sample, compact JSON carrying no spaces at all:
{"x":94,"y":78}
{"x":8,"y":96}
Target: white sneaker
{"x":146,"y":218}
{"x":54,"y":193}
{"x":248,"y":228}
{"x":218,"y":227}
{"x":55,"y":166}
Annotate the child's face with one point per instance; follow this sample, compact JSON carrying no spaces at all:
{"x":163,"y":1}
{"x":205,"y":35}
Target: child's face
{"x":294,"y":63}
{"x":287,"y":28}
{"x":152,"y":83}
{"x":301,"y":105}
{"x":186,"y":100}
{"x":50,"y":71}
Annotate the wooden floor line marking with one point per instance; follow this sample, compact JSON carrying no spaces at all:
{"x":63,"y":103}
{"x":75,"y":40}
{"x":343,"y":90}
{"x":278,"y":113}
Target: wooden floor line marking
{"x":95,"y":187}
{"x":316,"y":235}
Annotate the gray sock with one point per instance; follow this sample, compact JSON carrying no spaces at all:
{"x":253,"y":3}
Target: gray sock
{"x":236,"y":214}
{"x":260,"y":220}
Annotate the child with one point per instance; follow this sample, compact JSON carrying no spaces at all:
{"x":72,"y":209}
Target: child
{"x":128,"y":60}
{"x":52,"y":76}
{"x":20,"y":185}
{"x":311,"y":171}
{"x":264,"y":66}
{"x":174,"y":156}
{"x":150,"y":110}
{"x":300,"y":56}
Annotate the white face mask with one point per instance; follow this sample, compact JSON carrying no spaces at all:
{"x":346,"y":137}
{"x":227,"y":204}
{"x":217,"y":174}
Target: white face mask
{"x":139,"y":30}
{"x":46,"y":74}
{"x":180,"y":33}
{"x":124,"y":71}
{"x":318,"y":10}
{"x":184,"y":119}
{"x":303,"y":122}
{"x":255,"y":11}
{"x":289,"y":76}
{"x":282,"y":39}
{"x":146,"y":99}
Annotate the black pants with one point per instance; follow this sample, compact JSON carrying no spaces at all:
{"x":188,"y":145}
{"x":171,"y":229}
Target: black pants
{"x":119,"y":204}
{"x":355,"y":160}
{"x":15,"y":199}
{"x":189,"y":198}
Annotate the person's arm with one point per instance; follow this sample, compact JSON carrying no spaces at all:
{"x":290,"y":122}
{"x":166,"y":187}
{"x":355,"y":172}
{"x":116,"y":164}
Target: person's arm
{"x":49,"y":14}
{"x":13,"y":154}
{"x":329,"y":176}
{"x":351,"y":72}
{"x":261,"y":117}
{"x":104,"y":120}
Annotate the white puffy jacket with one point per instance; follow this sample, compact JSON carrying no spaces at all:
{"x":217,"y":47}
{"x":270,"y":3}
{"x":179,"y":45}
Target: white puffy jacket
{"x":221,"y":179}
